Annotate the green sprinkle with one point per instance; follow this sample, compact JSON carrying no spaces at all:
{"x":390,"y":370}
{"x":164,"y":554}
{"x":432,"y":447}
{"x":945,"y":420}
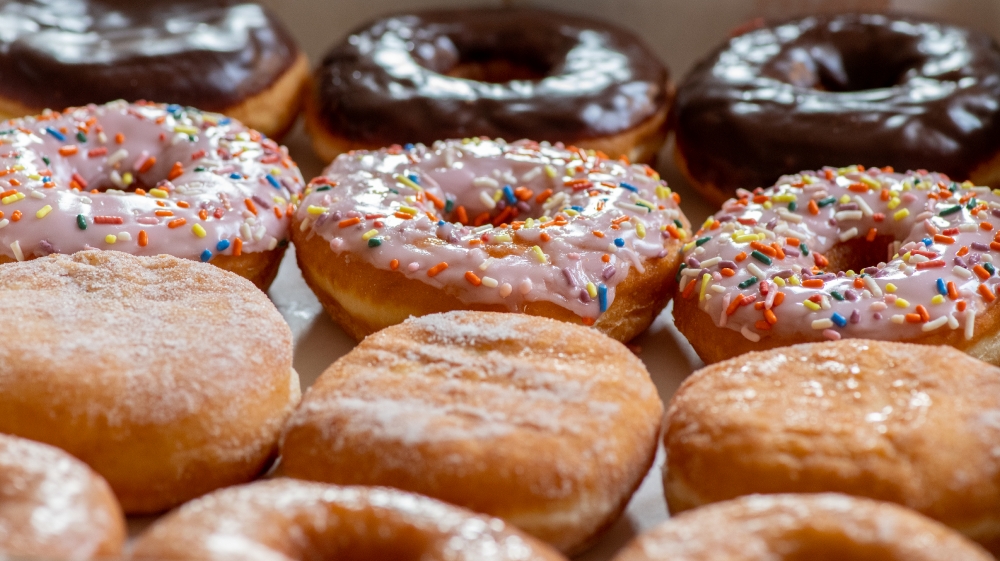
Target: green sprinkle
{"x":792,"y":206}
{"x":199,"y":168}
{"x":760,"y":257}
{"x":374,"y":242}
{"x":954,"y":187}
{"x":323,"y":188}
{"x":826,"y":201}
{"x":449,"y":204}
{"x":81,"y":221}
{"x":836,"y":295}
{"x":678,"y":223}
{"x":46,"y":160}
{"x":972,"y":204}
{"x":989,"y":267}
{"x":805,"y":250}
{"x":950,"y":210}
{"x":748,"y":283}
{"x":80,"y":136}
{"x":679,"y":269}
{"x":702,"y":241}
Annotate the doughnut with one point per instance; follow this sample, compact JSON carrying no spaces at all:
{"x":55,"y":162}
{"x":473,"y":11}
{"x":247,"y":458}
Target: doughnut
{"x":823,"y":527}
{"x":223,"y":56}
{"x":501,"y":73}
{"x":532,"y":228}
{"x":52,"y":506}
{"x":146,"y":179}
{"x":845,"y":252}
{"x":910,"y":424}
{"x":548,"y":426}
{"x":168,"y":377}
{"x":284,"y":519}
{"x":882,"y":90}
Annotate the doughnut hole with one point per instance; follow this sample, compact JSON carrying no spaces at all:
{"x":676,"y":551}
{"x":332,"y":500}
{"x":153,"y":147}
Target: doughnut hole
{"x":486,"y":68}
{"x":830,"y":544}
{"x":858,"y":253}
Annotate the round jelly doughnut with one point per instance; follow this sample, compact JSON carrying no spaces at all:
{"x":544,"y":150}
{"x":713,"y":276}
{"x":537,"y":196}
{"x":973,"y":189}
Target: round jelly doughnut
{"x":910,"y":424}
{"x":289,"y":519}
{"x":845,"y":252}
{"x":840,"y":89}
{"x":146,"y":179}
{"x":823,"y":527}
{"x":502,"y":73}
{"x":486,"y":225}
{"x":225,"y":56}
{"x":52,"y":506}
{"x":547,"y":425}
{"x":168,"y":377}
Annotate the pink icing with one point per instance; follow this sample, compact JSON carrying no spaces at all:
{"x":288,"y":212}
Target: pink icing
{"x":611,"y":210}
{"x":199,"y":212}
{"x":944,"y":231}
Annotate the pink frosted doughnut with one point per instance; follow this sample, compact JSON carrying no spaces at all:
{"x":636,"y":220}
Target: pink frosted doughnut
{"x":491,"y":226}
{"x":845,"y":252}
{"x":145,"y":179}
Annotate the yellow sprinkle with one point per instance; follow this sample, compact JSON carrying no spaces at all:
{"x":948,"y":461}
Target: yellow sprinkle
{"x":550,"y":171}
{"x":844,"y":199}
{"x":845,"y":171}
{"x":313,"y":209}
{"x":901,"y":214}
{"x":183,"y":129}
{"x":890,"y":288}
{"x":811,"y":305}
{"x":34,"y":176}
{"x":662,"y":192}
{"x":906,"y":256}
{"x":705,"y":279}
{"x":570,"y":212}
{"x":744,"y":238}
{"x":43,"y":211}
{"x":369,"y":234}
{"x":794,"y":280}
{"x":275,"y":171}
{"x":530,"y":222}
{"x":407,"y":181}
{"x":111,"y":238}
{"x":127,"y":178}
{"x":408,"y":210}
{"x":893,"y":203}
{"x":779,"y":281}
{"x":501,"y":238}
{"x":938,"y":299}
{"x":808,"y":179}
{"x":591,"y":290}
{"x":871,"y":183}
{"x":900,"y":303}
{"x":18,"y":167}
{"x":907,"y":186}
{"x":199,"y":231}
{"x":784,"y":198}
{"x":497,"y":195}
{"x":996,"y":192}
{"x":538,"y":254}
{"x":688,"y":247}
{"x":767,"y":205}
{"x":640,"y":230}
{"x":968,"y":184}
{"x":12,"y":198}
{"x":158,"y":193}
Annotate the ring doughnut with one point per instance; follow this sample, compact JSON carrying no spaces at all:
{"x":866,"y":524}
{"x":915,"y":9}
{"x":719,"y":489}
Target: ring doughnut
{"x":269,"y":519}
{"x":845,"y":252}
{"x":227,"y":56}
{"x":500,"y":73}
{"x":146,"y":179}
{"x":546,"y":425}
{"x":52,"y":506}
{"x":486,"y":225}
{"x":839,"y":89}
{"x":168,"y":377}
{"x":909,"y":424}
{"x":801,"y":527}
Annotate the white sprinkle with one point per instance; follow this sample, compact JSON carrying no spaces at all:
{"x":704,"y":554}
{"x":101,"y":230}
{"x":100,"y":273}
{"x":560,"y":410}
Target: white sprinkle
{"x":824,"y":323}
{"x":335,"y":243}
{"x":898,"y":318}
{"x":844,"y":236}
{"x":16,"y":247}
{"x":505,"y":290}
{"x":36,"y":194}
{"x":708,"y":263}
{"x":486,"y":264}
{"x":917,"y":259}
{"x":970,"y":324}
{"x":632,"y":207}
{"x":753,"y":337}
{"x":413,"y":267}
{"x":867,"y":210}
{"x":531,"y":175}
{"x":481,"y":229}
{"x":487,"y":200}
{"x":952,"y":322}
{"x":785,"y":214}
{"x":967,"y":227}
{"x":259,"y":233}
{"x":4,"y":223}
{"x":717,"y":288}
{"x":116,"y":178}
{"x":848,"y":215}
{"x":124,"y":237}
{"x":932,"y":325}
{"x":962,"y":272}
{"x":755,"y":271}
{"x":489,"y":282}
{"x":824,"y":302}
{"x":116,"y":157}
{"x":526,"y":286}
{"x":873,"y":287}
{"x":485,"y":183}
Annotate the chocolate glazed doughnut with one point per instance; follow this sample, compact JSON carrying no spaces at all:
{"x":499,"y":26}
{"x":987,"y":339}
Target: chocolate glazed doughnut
{"x":216,"y":55}
{"x":840,"y":90}
{"x":501,"y":73}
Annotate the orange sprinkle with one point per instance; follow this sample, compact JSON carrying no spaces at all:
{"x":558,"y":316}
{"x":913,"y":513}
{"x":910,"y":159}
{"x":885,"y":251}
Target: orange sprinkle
{"x":960,"y":306}
{"x":981,"y":272}
{"x":203,"y":214}
{"x":140,"y":192}
{"x":858,"y":187}
{"x":183,"y":204}
{"x":820,"y":260}
{"x":913,"y":318}
{"x":813,"y":209}
{"x":779,"y":253}
{"x":922,"y":311}
{"x":962,"y":251}
{"x":461,"y":215}
{"x":952,"y":291}
{"x":770,"y":317}
{"x":543,"y":196}
{"x":983,"y":225}
{"x":736,"y":303}
{"x":606,"y":258}
{"x":727,"y":272}
{"x":813,"y":283}
{"x":995,"y":246}
{"x":741,"y":256}
{"x":394,"y":264}
{"x":672,"y":230}
{"x":762,"y":325}
{"x":523,"y":193}
{"x":402,"y":215}
{"x":177,"y":223}
{"x":250,"y":206}
{"x":689,"y":289}
{"x":884,"y":195}
{"x":164,"y":213}
{"x":829,"y":174}
{"x":987,"y":293}
{"x":438,"y":203}
{"x":758,"y":306}
{"x":349,"y":222}
{"x":68,"y":150}
{"x":778,"y":299}
{"x":598,"y":233}
{"x":766,"y":250}
{"x":119,"y":138}
{"x":277,"y":212}
{"x":544,"y":237}
{"x":16,"y":216}
{"x":15,"y":183}
{"x":472,"y":278}
{"x":8,"y":193}
{"x":143,"y":238}
{"x":587,"y":321}
{"x":941,"y":238}
{"x":872,"y":232}
{"x":148,"y":164}
{"x":433,"y":271}
{"x":175,"y":171}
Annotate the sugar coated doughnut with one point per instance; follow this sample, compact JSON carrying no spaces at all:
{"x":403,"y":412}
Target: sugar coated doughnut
{"x":502,"y":73}
{"x":52,"y":506}
{"x":825,"y":527}
{"x":547,"y":425}
{"x":487,"y":225}
{"x":845,"y":252}
{"x":146,"y":179}
{"x":168,"y":377}
{"x":228,"y":56}
{"x":883,"y":90}
{"x":285,"y":519}
{"x":910,"y":424}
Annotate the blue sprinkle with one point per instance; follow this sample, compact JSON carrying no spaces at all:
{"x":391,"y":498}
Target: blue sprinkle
{"x":414,"y":178}
{"x":274,"y":182}
{"x":927,"y":241}
{"x":58,"y":135}
{"x":174,"y":108}
{"x":235,"y":176}
{"x":408,"y":146}
{"x":577,"y":208}
{"x":942,"y":289}
{"x":838,"y":319}
{"x":602,"y":297}
{"x":46,"y":179}
{"x":225,"y":121}
{"x":223,"y":245}
{"x":509,"y":194}
{"x":440,"y":222}
{"x":205,"y":256}
{"x":619,"y":242}
{"x":624,"y":185}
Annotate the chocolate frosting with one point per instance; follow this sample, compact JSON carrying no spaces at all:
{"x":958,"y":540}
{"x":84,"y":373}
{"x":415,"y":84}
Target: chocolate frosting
{"x":837,"y":90}
{"x":208,"y":54}
{"x":388,"y":82}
